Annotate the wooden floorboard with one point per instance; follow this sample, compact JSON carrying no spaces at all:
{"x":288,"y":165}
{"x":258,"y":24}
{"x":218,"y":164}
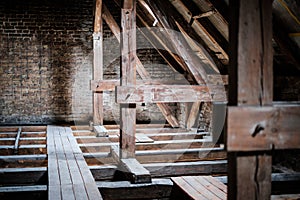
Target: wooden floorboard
{"x":68,"y":174}
{"x":201,"y":187}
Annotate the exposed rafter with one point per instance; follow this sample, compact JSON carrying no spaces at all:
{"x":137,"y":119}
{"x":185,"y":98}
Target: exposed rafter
{"x":140,"y":68}
{"x":201,"y":31}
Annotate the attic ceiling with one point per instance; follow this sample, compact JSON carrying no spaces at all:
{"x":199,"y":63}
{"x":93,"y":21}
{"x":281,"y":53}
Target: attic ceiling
{"x":204,"y":25}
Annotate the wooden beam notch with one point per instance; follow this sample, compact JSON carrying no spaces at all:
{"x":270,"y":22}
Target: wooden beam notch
{"x":100,"y":131}
{"x":129,"y":168}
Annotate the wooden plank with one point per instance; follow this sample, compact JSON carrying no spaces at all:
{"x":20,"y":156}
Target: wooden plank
{"x":110,"y":85}
{"x":98,"y":63}
{"x":100,"y":131}
{"x":193,"y":114}
{"x":16,"y":147}
{"x":276,"y":177}
{"x":155,"y":145}
{"x":142,"y":138}
{"x":167,"y":93}
{"x":90,"y":185}
{"x":54,"y":191}
{"x":130,"y":167}
{"x":285,"y":197}
{"x":89,"y":182}
{"x":22,"y":176}
{"x":68,"y":175}
{"x":63,"y":168}
{"x":12,"y":158}
{"x":197,"y":187}
{"x":139,"y":66}
{"x":157,"y":170}
{"x":28,"y":188}
{"x":136,"y":172}
{"x":216,"y":183}
{"x":205,"y":191}
{"x":263,"y":128}
{"x":214,"y":186}
{"x":77,"y":181}
{"x":187,"y":188}
{"x":167,"y":156}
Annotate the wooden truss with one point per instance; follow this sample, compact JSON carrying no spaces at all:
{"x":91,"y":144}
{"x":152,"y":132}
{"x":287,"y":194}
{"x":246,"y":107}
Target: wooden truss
{"x":128,"y":92}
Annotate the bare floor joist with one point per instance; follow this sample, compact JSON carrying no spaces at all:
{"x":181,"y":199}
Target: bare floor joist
{"x":68,"y":174}
{"x":31,"y":192}
{"x":22,"y":176}
{"x":158,"y":170}
{"x":158,"y":189}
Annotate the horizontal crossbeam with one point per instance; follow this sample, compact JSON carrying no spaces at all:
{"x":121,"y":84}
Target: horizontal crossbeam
{"x":168,"y":93}
{"x":263,"y":128}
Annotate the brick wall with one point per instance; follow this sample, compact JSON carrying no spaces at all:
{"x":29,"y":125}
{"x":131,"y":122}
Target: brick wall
{"x":46,"y":63}
{"x":45,"y":53}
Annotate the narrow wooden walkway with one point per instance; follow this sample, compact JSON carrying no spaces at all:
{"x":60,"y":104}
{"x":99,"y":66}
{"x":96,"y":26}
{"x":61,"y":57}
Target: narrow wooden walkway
{"x":68,"y":174}
{"x":200,"y":188}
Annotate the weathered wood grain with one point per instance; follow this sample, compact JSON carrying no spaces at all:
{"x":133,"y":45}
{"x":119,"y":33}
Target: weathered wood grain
{"x":157,"y":170}
{"x":139,"y":66}
{"x":100,"y":131}
{"x":128,"y":78}
{"x":98,"y":63}
{"x":167,"y":93}
{"x":263,"y":128}
{"x":201,"y":187}
{"x":250,"y":84}
{"x":68,"y":174}
{"x":135,"y":171}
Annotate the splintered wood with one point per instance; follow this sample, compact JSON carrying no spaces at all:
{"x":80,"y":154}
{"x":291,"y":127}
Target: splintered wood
{"x":68,"y":174}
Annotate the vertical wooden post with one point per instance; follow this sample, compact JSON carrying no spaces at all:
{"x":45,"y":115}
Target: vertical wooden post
{"x":250,"y":84}
{"x":98,"y":63}
{"x":128,"y":77}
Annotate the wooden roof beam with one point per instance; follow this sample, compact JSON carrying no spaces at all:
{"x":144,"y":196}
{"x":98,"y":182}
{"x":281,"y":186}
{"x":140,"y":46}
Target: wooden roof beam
{"x":215,"y":18}
{"x":140,"y":68}
{"x":167,"y":93}
{"x":201,"y":31}
{"x":161,"y":45}
{"x":179,"y":44}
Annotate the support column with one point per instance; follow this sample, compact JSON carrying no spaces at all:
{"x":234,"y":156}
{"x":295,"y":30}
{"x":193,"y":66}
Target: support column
{"x":250,"y":84}
{"x":98,"y":64}
{"x":128,"y":78}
